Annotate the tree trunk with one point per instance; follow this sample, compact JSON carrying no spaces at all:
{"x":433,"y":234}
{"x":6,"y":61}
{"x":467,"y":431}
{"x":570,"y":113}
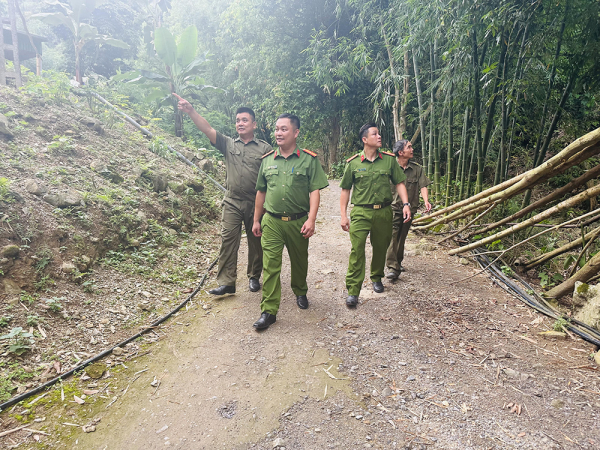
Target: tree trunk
{"x":477,"y":115}
{"x":421,"y":111}
{"x":15,"y":38}
{"x":396,"y":104}
{"x":462,"y":157}
{"x":333,"y":140}
{"x":494,"y":97}
{"x":404,"y":103}
{"x":450,"y":153}
{"x":38,"y":57}
{"x":584,"y":274}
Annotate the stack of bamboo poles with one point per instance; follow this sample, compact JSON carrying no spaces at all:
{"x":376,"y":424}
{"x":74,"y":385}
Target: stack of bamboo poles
{"x":477,"y":206}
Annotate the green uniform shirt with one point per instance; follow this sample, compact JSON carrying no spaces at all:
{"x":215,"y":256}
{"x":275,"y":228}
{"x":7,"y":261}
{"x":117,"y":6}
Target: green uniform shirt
{"x":415,"y":180}
{"x":371,"y":180}
{"x":242,"y":162}
{"x":289,"y":181}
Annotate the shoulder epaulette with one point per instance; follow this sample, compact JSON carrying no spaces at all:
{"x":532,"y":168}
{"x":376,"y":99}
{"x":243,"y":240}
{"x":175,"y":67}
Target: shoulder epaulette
{"x":415,"y":163}
{"x":389,"y":154}
{"x":311,"y":153}
{"x":352,"y":157}
{"x":260,"y":140}
{"x":266,"y":154}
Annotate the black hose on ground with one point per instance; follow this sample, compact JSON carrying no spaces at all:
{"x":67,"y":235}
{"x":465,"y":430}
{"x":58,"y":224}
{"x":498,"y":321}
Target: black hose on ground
{"x":101,"y":355}
{"x":579,"y":328}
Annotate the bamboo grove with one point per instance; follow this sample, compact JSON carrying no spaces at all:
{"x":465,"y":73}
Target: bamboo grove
{"x":493,"y":94}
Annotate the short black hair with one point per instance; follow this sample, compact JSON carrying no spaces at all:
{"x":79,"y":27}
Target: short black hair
{"x":399,"y":146}
{"x":365,"y":129}
{"x":295,"y":120}
{"x":245,"y":109}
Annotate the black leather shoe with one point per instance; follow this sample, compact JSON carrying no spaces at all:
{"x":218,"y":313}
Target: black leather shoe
{"x":222,"y":290}
{"x":378,"y":286}
{"x":352,"y":301}
{"x":254,"y":285}
{"x":392,"y":274}
{"x":264,"y":321}
{"x":302,"y":301}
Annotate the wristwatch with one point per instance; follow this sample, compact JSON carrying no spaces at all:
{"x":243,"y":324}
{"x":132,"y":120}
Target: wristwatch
{"x":406,"y":204}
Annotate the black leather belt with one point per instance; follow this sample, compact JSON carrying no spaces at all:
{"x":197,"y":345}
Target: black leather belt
{"x":288,"y":217}
{"x":378,"y":206}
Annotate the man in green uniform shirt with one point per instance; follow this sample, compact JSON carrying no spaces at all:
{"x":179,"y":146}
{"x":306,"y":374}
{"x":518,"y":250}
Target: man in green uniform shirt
{"x":369,"y":173}
{"x":287,"y":188}
{"x":416,"y":181}
{"x":242,"y":161}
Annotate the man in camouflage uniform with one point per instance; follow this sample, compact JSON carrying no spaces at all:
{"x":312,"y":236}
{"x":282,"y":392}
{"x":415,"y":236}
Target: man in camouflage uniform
{"x":416,"y":181}
{"x":288,"y":188}
{"x":368,"y":175}
{"x":242,"y":161}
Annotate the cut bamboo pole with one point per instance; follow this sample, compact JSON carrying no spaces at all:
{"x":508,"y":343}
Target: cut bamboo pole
{"x":563,"y":157}
{"x":559,"y":251}
{"x":588,"y":193}
{"x":592,"y":173}
{"x":549,"y":169}
{"x":586,"y":273}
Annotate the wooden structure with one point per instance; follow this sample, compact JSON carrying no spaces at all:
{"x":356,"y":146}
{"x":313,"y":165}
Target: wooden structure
{"x":26,"y":50}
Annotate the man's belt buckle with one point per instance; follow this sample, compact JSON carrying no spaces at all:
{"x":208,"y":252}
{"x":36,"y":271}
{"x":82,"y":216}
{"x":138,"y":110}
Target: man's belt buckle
{"x":286,"y":218}
{"x":376,"y":206}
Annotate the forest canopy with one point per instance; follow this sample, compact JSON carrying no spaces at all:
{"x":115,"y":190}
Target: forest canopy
{"x":484,"y":89}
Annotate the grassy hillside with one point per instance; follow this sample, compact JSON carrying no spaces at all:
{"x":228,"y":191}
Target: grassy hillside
{"x":100,"y":230}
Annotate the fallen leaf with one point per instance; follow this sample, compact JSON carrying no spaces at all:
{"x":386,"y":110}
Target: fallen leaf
{"x":79,"y":400}
{"x":56,"y":366}
{"x":90,"y":391}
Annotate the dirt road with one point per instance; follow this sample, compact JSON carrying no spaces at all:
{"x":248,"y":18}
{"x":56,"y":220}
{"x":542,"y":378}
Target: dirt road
{"x":433,"y":362}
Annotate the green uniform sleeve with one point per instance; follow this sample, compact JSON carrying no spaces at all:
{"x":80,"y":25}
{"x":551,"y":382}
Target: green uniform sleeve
{"x":423,"y":180}
{"x":261,"y":181}
{"x":347,"y":180}
{"x":318,"y":179}
{"x":398,"y":175}
{"x":223,"y":143}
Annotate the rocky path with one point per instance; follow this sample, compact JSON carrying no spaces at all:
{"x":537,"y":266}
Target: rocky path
{"x":435,"y":361}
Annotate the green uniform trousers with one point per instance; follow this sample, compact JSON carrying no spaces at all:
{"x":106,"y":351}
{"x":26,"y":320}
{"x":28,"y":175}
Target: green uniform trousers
{"x":395,"y":252}
{"x":236,"y":212}
{"x":275,"y":234}
{"x":363,"y":221}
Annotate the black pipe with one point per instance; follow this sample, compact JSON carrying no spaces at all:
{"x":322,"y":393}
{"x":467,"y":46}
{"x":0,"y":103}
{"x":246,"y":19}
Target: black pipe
{"x":581,"y":329}
{"x":40,"y":388}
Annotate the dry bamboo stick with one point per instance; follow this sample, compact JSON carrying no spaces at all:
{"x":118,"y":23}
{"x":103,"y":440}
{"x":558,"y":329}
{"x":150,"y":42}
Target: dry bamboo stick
{"x":470,"y":223}
{"x":585,"y":247}
{"x":559,"y":251}
{"x":558,"y":193}
{"x":567,"y":158}
{"x":584,"y":274}
{"x":588,"y":193}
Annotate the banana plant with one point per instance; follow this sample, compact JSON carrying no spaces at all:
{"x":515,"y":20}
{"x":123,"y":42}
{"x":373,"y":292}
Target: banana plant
{"x":179,"y":71}
{"x":73,"y":16}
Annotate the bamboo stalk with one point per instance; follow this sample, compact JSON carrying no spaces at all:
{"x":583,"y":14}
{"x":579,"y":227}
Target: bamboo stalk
{"x":588,"y":193}
{"x":593,"y":173}
{"x":585,"y":247}
{"x":559,"y":251}
{"x":586,"y":273}
{"x":579,"y":150}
